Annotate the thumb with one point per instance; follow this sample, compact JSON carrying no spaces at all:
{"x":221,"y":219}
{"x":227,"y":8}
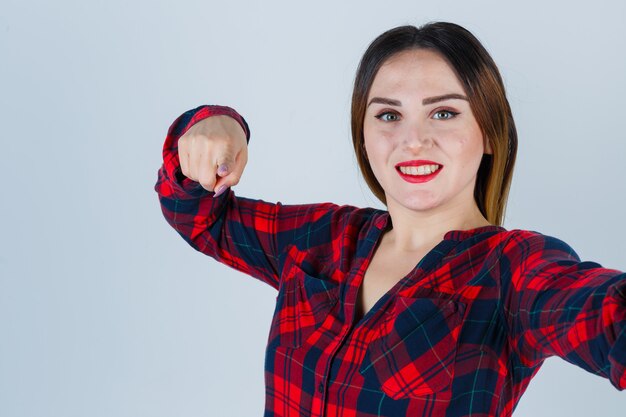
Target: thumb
{"x":224,"y":165}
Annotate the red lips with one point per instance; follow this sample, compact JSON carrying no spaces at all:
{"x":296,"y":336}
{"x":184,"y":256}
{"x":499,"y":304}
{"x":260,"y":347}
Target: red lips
{"x":416,"y":163}
{"x":418,"y":178}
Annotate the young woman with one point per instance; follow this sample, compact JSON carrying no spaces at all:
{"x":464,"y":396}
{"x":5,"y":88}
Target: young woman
{"x":430,"y":308}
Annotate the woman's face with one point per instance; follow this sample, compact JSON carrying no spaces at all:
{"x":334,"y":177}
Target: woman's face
{"x":408,"y":122}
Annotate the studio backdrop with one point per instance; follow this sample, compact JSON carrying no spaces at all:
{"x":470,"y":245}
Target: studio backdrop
{"x":105,"y":311}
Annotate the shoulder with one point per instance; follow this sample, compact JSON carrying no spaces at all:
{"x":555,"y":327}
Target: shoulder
{"x":355,"y":223}
{"x":309,"y":225}
{"x":341,"y":215}
{"x":522,"y":246}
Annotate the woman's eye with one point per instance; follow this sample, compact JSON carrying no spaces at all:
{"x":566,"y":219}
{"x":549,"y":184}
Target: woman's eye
{"x":383,"y":116}
{"x":446,"y":114}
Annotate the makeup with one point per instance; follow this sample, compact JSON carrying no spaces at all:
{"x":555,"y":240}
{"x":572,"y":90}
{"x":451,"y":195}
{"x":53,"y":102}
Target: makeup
{"x":418,"y":178}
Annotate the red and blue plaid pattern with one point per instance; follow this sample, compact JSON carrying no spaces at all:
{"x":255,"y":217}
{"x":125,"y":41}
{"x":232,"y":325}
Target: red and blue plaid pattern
{"x":461,"y":335}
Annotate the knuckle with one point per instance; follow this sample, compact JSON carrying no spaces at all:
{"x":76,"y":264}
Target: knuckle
{"x":211,"y":137}
{"x":225,"y":155}
{"x":206,"y":185}
{"x":196,"y":139}
{"x":207,"y":182}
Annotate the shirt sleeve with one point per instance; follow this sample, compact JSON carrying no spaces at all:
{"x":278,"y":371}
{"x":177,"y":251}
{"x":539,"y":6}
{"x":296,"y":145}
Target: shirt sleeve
{"x":555,"y":304}
{"x":246,"y":234}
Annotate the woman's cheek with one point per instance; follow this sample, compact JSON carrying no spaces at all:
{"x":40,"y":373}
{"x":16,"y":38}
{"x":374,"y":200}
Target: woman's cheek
{"x":460,"y":144}
{"x":377,"y":156}
{"x":462,"y":141}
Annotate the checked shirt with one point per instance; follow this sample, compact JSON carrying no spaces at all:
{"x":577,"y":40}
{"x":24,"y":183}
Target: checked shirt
{"x":462,"y":334}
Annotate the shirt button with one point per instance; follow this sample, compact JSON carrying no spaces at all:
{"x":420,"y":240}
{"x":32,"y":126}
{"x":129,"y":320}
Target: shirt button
{"x":320,"y":387}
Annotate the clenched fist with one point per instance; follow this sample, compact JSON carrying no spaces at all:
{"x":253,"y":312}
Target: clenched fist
{"x":214,"y":152}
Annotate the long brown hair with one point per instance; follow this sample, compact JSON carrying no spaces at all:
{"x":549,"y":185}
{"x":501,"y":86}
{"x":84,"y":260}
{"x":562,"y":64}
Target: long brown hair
{"x":487,"y":98}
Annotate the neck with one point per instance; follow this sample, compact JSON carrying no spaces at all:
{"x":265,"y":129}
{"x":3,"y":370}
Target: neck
{"x":413,"y":230}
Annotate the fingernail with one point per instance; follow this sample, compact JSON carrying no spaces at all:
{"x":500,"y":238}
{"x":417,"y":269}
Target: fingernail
{"x":223,"y":169}
{"x":220,"y":190}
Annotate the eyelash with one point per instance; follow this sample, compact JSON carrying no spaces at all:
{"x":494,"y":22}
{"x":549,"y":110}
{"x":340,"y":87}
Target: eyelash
{"x":380,"y":116}
{"x":453,"y":114}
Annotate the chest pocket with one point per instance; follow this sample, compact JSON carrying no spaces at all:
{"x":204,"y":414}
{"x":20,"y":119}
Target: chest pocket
{"x":415,"y":350}
{"x":302,"y":306}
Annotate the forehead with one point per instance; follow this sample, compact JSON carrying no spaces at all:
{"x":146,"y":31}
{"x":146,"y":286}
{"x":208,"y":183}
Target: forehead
{"x":416,"y":71}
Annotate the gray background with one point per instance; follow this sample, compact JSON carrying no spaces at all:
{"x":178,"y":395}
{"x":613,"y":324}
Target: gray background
{"x":106,"y":311}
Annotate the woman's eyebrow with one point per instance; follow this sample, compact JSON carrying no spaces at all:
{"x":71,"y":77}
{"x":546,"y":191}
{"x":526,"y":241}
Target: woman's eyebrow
{"x":431,"y":100}
{"x":427,"y":100}
{"x":383,"y":100}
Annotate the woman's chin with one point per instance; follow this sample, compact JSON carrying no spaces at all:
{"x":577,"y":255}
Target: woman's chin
{"x":420,"y":204}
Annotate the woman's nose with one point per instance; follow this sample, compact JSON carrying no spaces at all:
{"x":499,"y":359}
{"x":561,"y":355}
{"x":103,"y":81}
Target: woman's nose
{"x":417,"y":135}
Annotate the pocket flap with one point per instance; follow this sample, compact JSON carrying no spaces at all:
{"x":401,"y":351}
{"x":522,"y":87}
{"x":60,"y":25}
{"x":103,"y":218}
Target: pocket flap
{"x":414,"y":352}
{"x":303,"y":304}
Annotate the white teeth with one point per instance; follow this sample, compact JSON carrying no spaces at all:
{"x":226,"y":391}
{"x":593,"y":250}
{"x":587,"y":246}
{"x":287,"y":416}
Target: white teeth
{"x":420,"y":170}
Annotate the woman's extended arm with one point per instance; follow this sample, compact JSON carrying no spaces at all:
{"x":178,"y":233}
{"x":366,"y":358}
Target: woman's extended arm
{"x":554,"y":304}
{"x":246,"y":234}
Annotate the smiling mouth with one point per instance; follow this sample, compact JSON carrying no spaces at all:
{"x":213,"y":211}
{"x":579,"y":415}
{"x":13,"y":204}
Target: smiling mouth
{"x":419,"y":170}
